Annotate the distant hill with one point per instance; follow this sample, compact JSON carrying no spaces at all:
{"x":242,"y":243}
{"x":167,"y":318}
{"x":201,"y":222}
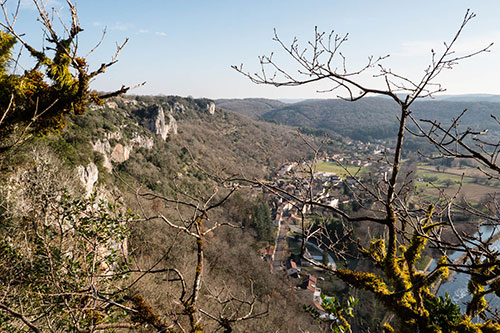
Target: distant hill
{"x":356,"y":120}
{"x":470,"y":98}
{"x":376,"y":118}
{"x":251,"y":107}
{"x":369,"y":118}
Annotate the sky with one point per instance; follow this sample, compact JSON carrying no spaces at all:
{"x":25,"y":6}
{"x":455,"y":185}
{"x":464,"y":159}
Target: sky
{"x":187,"y":47}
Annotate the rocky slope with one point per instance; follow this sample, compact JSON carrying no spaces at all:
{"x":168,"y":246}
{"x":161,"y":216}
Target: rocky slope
{"x":168,"y":146}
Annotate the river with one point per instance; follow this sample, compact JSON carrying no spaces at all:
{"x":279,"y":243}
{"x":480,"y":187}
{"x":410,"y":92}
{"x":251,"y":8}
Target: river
{"x":315,"y":252}
{"x":457,"y":287}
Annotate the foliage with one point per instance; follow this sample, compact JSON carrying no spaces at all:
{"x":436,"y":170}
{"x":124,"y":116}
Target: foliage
{"x":254,"y":213}
{"x":260,"y":220}
{"x":334,"y":308}
{"x":335,"y":313}
{"x":445,"y":314}
{"x":58,"y":269}
{"x":39,"y":100}
{"x":48,"y":96}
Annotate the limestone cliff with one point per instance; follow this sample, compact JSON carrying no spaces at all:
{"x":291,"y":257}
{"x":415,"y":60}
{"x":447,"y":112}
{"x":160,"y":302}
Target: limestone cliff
{"x":211,"y":108}
{"x":172,"y":124}
{"x":88,"y":177}
{"x":120,"y":153}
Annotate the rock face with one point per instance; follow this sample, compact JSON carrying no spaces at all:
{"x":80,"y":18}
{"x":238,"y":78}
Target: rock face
{"x":142,"y":141}
{"x":114,"y":135}
{"x":157,"y":124}
{"x":104,"y":148}
{"x":88,"y":177}
{"x":179,"y":107}
{"x":111,"y":105}
{"x":120,"y":153}
{"x":211,"y":107}
{"x":172,"y":124}
{"x":154,"y":118}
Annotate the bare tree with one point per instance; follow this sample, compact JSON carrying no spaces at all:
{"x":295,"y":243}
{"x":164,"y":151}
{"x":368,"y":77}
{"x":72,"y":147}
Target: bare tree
{"x":407,"y":226}
{"x":191,"y":216}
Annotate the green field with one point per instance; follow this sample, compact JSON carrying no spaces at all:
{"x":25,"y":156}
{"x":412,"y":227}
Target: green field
{"x":439,"y":179}
{"x":474,"y":185}
{"x":422,"y":263}
{"x":324,"y":166}
{"x":473,"y":188}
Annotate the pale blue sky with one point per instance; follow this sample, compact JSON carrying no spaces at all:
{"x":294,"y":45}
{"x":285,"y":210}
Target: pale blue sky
{"x":186,"y":47}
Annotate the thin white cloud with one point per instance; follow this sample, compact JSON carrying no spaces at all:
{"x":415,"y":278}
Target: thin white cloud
{"x":161,"y":33}
{"x":28,"y":4}
{"x":143,"y":31}
{"x":416,"y":48}
{"x":462,"y":46}
{"x":470,"y":45}
{"x":121,"y":26}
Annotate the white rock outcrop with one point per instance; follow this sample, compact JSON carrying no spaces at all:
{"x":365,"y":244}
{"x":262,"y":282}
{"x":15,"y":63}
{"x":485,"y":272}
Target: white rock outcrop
{"x":172,"y":124}
{"x":104,"y":148}
{"x":211,"y":108}
{"x":178,"y":107}
{"x":88,"y":177}
{"x":120,"y":153}
{"x":142,"y":141}
{"x":114,"y":135}
{"x":157,"y":124}
{"x":111,"y":105}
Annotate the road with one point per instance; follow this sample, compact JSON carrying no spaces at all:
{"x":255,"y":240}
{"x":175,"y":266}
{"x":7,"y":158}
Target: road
{"x":281,"y":246}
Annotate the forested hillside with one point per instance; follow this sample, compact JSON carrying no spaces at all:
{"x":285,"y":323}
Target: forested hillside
{"x":252,"y":107}
{"x":372,"y":118}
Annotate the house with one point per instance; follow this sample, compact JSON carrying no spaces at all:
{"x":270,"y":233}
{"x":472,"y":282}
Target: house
{"x":324,"y":174}
{"x":333,"y":203}
{"x":351,"y":181}
{"x":286,"y":169}
{"x":295,"y":219}
{"x":310,"y":283}
{"x":317,"y":295}
{"x":267,"y":253}
{"x":293,"y":270}
{"x":336,"y":157}
{"x":319,"y":308}
{"x":287,"y":207}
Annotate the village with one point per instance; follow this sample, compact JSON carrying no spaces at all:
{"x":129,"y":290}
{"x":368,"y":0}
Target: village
{"x":292,"y":182}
